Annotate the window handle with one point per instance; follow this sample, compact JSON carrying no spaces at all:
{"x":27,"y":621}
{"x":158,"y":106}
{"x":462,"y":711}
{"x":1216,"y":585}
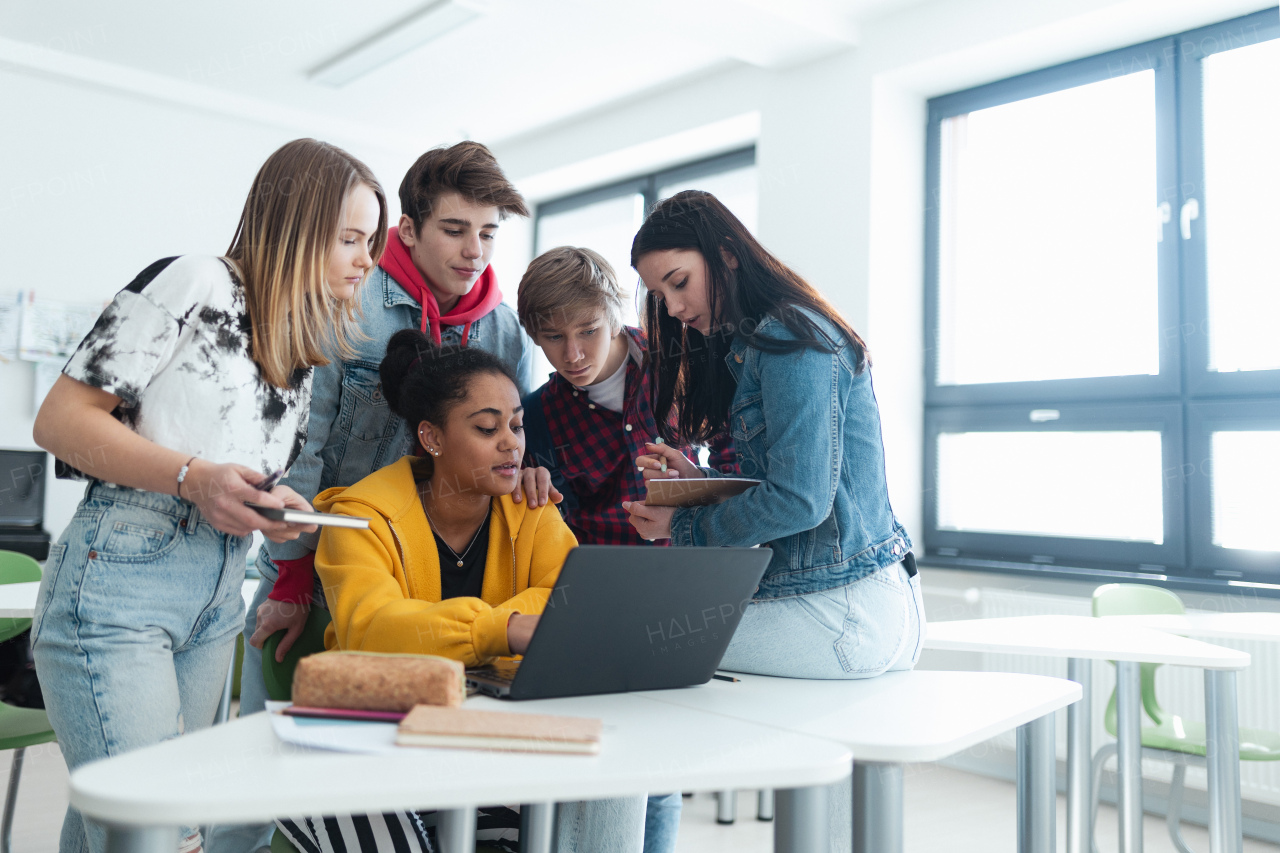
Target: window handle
{"x":1190,"y":211}
{"x":1164,"y":212}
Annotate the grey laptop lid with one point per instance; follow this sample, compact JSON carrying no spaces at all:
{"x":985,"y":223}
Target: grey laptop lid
{"x":625,"y":618}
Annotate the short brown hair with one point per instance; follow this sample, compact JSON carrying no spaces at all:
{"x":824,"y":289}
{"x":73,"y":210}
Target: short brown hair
{"x":468,"y":169}
{"x":564,"y":282}
{"x":287,"y":229}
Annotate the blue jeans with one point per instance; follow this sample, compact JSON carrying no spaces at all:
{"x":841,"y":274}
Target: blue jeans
{"x":134,"y":627}
{"x":874,"y":625}
{"x":662,"y":822}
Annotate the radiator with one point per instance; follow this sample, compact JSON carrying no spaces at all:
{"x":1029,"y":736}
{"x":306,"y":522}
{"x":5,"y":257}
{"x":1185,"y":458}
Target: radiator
{"x":1180,"y":689}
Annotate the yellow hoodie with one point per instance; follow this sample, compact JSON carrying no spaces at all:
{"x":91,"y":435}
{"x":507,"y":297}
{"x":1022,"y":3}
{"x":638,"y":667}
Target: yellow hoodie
{"x":383,"y":584}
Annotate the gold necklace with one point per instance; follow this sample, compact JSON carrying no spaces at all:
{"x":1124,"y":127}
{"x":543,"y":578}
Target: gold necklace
{"x":435,"y":528}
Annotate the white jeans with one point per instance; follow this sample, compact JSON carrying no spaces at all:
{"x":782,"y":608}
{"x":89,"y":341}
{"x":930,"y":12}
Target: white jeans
{"x":860,"y":630}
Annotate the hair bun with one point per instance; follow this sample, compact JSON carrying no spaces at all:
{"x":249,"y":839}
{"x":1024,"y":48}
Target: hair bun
{"x":405,"y":347}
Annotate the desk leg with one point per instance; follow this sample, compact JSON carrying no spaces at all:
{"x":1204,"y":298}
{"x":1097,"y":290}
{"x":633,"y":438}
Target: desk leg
{"x":537,"y":821}
{"x":877,"y":808}
{"x":1079,"y":757}
{"x":801,"y":820}
{"x":1129,"y":754}
{"x":1223,"y":760}
{"x":726,"y":807}
{"x":456,"y":830}
{"x":764,"y":804}
{"x":141,"y":839}
{"x":1037,"y":787}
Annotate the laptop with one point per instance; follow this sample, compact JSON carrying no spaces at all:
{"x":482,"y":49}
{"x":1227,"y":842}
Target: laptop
{"x":625,"y":618}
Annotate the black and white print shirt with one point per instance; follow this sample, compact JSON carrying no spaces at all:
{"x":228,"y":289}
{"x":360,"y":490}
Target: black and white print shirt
{"x":174,"y":346}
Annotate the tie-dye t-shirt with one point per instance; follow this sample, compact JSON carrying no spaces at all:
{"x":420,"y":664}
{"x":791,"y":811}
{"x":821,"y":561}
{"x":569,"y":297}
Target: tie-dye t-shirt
{"x":174,"y":347}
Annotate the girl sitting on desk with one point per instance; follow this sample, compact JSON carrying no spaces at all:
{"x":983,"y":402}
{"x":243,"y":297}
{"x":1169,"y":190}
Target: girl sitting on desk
{"x":739,"y":341}
{"x":450,"y":565}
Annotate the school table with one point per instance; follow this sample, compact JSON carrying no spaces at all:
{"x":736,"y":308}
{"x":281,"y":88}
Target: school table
{"x":906,"y":717}
{"x":241,"y":773}
{"x":18,"y":600}
{"x":1084,"y":639}
{"x":1247,"y":625}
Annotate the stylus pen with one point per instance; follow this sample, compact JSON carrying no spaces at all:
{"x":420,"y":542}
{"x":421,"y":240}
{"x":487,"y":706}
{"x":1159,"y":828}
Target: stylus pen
{"x":725,"y":677}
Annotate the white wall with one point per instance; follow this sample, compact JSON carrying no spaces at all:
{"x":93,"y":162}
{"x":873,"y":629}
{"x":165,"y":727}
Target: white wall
{"x":840,"y":157}
{"x":98,"y":184}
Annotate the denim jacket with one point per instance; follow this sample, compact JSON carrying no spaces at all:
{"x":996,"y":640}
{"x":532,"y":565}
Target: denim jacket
{"x":352,"y":432}
{"x":807,"y":425}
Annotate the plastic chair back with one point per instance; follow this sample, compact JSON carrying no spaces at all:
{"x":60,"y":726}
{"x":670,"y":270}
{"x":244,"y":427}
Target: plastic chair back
{"x":278,"y":677}
{"x":1136,"y":599}
{"x":16,"y":568}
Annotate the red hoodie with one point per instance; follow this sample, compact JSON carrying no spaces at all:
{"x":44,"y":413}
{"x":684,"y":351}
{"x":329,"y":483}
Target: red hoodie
{"x":297,"y":576}
{"x":483,"y":297}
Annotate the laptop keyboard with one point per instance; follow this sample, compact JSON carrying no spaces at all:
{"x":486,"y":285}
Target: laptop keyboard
{"x":502,"y":671}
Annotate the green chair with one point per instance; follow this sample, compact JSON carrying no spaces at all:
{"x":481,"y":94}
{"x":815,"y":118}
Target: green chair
{"x":1172,"y":738}
{"x":19,"y":727}
{"x":278,"y":677}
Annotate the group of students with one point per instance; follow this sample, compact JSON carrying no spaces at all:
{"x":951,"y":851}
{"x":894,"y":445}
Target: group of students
{"x":378,"y":365}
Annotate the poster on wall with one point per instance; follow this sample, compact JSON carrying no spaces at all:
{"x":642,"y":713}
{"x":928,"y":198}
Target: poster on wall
{"x":10,"y":324}
{"x":52,"y":330}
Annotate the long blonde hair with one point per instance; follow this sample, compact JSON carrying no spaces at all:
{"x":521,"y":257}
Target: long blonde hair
{"x":281,"y":247}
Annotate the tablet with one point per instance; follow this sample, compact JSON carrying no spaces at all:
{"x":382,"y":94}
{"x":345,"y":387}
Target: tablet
{"x":696,"y":491}
{"x":300,"y":516}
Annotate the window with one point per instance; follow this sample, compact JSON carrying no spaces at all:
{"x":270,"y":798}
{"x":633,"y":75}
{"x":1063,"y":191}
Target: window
{"x":606,"y":219}
{"x":1103,"y":389}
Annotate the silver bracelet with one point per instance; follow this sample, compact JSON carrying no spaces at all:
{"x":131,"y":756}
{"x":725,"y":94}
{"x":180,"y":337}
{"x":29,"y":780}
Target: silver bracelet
{"x":182,"y":473}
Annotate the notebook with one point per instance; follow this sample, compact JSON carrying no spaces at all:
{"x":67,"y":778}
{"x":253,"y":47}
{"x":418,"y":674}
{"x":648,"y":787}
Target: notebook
{"x":460,"y":728}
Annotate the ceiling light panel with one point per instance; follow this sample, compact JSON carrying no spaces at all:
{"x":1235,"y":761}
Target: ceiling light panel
{"x":404,"y":36}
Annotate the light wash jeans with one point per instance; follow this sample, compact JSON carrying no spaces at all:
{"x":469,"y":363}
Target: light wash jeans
{"x":662,"y":822}
{"x":134,"y":627}
{"x":874,"y":625}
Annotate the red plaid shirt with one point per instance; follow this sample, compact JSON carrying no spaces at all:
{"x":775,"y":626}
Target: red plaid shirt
{"x":594,"y":449}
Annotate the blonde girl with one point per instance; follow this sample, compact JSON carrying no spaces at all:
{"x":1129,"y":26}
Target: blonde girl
{"x":193,"y":387}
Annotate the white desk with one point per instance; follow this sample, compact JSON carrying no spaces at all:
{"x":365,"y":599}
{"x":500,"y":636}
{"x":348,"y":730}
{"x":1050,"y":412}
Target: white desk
{"x":241,"y":773}
{"x":907,"y":717}
{"x":18,"y":600}
{"x":1082,"y":639}
{"x":1250,"y":625}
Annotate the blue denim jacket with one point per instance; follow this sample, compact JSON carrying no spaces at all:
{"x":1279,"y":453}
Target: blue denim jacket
{"x":809,"y":426}
{"x":352,"y":432}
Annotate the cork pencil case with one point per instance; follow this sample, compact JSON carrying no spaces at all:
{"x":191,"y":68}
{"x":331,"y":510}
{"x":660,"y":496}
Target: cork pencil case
{"x":371,"y":681}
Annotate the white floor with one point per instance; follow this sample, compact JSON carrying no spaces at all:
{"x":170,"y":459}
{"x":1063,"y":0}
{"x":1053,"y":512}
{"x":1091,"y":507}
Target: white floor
{"x":946,"y":810}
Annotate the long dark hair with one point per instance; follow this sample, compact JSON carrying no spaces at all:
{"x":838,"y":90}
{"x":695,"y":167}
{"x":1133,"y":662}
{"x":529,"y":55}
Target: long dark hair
{"x":689,"y":370}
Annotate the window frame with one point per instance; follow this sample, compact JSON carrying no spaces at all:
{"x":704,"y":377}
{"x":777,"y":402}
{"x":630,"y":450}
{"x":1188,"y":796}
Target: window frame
{"x":1186,"y":398}
{"x":645,"y":185}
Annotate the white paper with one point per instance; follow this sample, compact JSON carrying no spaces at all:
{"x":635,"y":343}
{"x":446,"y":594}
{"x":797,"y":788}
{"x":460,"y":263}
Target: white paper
{"x":53,"y":330}
{"x":333,"y":735}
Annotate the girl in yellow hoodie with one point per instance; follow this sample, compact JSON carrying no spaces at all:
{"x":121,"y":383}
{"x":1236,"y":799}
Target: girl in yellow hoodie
{"x":450,"y":565}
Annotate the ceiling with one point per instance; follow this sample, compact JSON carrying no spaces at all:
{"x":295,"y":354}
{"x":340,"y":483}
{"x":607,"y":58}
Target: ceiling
{"x":521,"y":65}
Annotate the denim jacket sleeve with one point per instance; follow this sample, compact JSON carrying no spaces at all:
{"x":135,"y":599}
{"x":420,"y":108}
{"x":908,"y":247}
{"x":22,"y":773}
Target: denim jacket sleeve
{"x":304,"y":476}
{"x":802,"y":425}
